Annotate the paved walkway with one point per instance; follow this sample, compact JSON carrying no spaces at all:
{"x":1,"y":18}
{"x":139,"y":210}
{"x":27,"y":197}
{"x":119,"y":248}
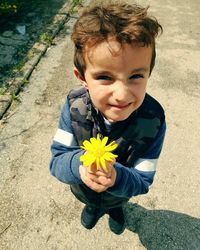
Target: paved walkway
{"x":38,"y":212}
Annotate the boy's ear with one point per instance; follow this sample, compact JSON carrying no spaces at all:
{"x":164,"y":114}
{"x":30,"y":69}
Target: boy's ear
{"x":80,"y":77}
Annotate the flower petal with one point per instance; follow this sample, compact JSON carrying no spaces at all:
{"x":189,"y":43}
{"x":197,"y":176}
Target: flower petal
{"x":97,"y":152}
{"x":104,"y":141}
{"x":103,"y":162}
{"x":97,"y":163}
{"x":98,"y":139}
{"x":108,"y":156}
{"x":87,"y":146}
{"x":111,"y":146}
{"x":94,"y":142}
{"x":87,"y":159}
{"x":105,"y":168}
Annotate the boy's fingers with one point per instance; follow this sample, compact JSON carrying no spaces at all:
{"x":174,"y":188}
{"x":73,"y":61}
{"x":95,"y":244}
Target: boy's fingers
{"x":94,"y":178}
{"x":91,"y":180}
{"x":113,"y":161}
{"x":97,"y":187}
{"x":92,"y":168}
{"x":108,"y":182}
{"x":101,"y":173}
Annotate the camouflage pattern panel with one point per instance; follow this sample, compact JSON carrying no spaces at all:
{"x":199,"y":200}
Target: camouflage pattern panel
{"x":151,"y":108}
{"x":80,"y":111}
{"x":136,"y":139}
{"x":140,"y":132}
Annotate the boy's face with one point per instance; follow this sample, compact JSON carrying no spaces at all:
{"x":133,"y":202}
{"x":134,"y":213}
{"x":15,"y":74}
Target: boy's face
{"x":116,"y":77}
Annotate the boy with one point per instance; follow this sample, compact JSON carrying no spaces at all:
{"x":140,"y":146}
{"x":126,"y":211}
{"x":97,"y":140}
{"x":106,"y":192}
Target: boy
{"x":114,"y":57}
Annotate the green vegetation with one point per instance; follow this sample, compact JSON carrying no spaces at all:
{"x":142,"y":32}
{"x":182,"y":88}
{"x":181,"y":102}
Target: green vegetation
{"x":18,"y":67}
{"x":74,"y":4}
{"x":46,"y":38}
{"x":14,"y":97}
{"x":8,"y":6}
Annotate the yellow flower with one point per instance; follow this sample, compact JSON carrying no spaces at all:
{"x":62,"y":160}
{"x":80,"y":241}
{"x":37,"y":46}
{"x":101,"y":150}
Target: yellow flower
{"x":97,"y":152}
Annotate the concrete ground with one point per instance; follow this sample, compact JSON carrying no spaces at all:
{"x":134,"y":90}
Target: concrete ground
{"x":39,"y":212}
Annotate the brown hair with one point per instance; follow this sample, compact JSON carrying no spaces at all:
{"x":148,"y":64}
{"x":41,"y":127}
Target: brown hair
{"x":127,"y":23}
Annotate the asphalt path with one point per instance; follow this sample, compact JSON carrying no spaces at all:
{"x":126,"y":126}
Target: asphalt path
{"x":39,"y":212}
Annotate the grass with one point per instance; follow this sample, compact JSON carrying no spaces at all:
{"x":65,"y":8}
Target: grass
{"x":74,"y":4}
{"x":14,"y":97}
{"x":46,"y":38}
{"x":8,"y":7}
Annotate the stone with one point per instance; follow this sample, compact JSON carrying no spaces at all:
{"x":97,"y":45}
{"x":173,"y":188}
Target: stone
{"x":31,"y":14}
{"x":4,"y":50}
{"x":14,"y":41}
{"x":6,"y":55}
{"x":7,"y":33}
{"x":20,"y":37}
{"x":7,"y":60}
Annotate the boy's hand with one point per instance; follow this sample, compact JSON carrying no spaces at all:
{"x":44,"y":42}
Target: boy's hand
{"x":98,"y":180}
{"x":93,"y":169}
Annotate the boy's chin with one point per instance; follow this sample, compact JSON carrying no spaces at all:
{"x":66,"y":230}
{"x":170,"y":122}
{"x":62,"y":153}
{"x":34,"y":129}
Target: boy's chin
{"x":117,"y":119}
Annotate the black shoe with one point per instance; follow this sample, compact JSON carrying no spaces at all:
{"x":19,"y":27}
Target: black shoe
{"x":116,"y":220}
{"x":90,"y":216}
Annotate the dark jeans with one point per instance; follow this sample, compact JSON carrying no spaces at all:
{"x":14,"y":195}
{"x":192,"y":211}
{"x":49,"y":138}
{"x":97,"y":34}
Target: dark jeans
{"x":98,"y":200}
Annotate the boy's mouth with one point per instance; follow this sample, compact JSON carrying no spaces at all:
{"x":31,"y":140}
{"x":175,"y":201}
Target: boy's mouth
{"x":124,"y":106}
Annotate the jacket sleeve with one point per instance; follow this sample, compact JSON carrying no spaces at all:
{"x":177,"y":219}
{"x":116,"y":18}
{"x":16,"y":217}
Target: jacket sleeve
{"x":65,"y":161}
{"x":137,"y":180}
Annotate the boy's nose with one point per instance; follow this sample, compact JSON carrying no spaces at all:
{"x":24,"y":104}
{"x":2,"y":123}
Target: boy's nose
{"x":121,"y":93}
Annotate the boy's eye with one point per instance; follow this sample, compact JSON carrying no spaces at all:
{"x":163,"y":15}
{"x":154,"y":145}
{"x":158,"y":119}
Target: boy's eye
{"x":136,"y":76}
{"x":103,"y":78}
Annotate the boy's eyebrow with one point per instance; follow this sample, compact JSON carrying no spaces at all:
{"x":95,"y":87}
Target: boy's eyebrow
{"x":103,"y":72}
{"x":145,"y":69}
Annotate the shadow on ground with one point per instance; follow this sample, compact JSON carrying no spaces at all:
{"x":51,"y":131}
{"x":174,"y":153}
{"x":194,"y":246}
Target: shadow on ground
{"x":163,"y":229}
